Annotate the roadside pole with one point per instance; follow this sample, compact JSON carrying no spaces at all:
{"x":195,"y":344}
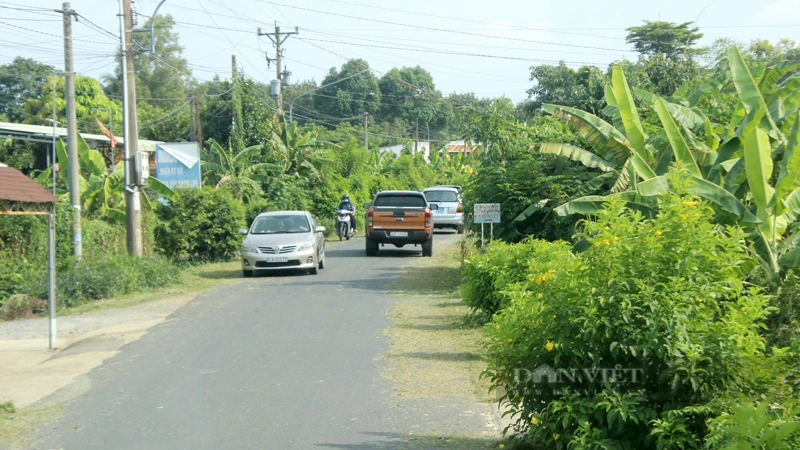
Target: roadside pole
{"x":51,"y":238}
{"x":133,"y":229}
{"x":72,"y":132}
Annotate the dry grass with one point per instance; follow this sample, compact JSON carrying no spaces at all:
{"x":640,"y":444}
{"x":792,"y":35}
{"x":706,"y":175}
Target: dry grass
{"x":432,"y":352}
{"x":17,"y":428}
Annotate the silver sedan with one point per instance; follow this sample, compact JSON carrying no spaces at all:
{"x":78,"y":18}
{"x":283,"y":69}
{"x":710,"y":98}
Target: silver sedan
{"x":283,"y":240}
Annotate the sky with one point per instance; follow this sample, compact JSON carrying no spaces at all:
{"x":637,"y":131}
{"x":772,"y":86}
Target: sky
{"x":484,"y":47}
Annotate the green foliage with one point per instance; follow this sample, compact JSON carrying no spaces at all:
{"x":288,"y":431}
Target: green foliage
{"x":657,"y":298}
{"x":764,"y":425}
{"x":409,"y":95}
{"x":200,"y":224}
{"x":348,"y":98}
{"x":487,"y":278}
{"x":21,"y":80}
{"x":95,"y":277}
{"x":664,"y":38}
{"x":562,"y":85}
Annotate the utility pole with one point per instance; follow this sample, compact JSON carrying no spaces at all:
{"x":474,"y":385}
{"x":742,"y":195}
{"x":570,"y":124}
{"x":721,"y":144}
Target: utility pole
{"x":72,"y":131}
{"x":198,"y":129}
{"x":133,"y":226}
{"x":237,"y":125}
{"x":278,"y":39}
{"x":416,"y":137}
{"x":366,"y":132}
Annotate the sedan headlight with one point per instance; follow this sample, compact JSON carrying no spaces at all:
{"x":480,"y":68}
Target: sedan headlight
{"x":247,"y":248}
{"x":305,"y":246}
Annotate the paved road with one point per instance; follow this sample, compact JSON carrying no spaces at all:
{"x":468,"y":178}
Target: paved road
{"x":285,"y":361}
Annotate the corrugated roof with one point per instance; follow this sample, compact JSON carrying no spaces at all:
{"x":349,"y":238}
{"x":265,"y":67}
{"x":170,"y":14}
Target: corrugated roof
{"x":43,"y":132}
{"x":16,"y":187}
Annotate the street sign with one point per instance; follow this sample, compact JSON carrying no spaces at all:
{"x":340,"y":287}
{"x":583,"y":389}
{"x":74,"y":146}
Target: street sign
{"x":486,"y":213}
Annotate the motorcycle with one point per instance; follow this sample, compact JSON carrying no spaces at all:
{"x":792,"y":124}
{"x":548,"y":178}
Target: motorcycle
{"x":343,"y":228}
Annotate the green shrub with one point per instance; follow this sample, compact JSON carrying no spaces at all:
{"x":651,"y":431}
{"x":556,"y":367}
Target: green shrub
{"x":640,"y":333}
{"x":200,"y":224}
{"x":95,"y":278}
{"x":764,"y":425}
{"x":486,"y":277}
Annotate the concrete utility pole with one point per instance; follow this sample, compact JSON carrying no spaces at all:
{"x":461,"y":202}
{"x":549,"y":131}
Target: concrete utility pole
{"x":133,"y":225}
{"x":416,"y":137}
{"x":278,"y":39}
{"x":366,"y":130}
{"x":72,"y":131}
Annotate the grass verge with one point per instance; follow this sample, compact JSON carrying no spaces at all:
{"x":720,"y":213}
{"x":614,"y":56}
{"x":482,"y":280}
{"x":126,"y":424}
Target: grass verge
{"x":433,"y":353}
{"x":18,"y":427}
{"x":193,"y":281}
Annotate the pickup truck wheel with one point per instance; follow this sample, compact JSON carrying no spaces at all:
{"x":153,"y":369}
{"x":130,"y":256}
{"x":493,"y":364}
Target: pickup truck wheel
{"x":372,"y":247}
{"x":427,"y":248}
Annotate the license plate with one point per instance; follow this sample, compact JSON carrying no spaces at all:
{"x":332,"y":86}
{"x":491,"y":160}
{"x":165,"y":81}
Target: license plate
{"x":440,"y":211}
{"x":277,"y":259}
{"x":399,"y":234}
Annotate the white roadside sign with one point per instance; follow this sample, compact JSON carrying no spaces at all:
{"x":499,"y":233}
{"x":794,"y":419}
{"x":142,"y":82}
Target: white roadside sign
{"x":486,"y":213}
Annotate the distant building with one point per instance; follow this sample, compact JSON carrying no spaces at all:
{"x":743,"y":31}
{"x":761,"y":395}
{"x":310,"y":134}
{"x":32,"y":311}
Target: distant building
{"x":423,"y":147}
{"x":460,"y":147}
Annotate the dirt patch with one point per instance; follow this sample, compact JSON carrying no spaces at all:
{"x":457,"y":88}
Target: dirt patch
{"x":20,"y":306}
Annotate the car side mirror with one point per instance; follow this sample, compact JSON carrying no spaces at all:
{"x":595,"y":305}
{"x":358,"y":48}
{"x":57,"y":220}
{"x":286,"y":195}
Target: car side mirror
{"x":243,"y":232}
{"x":433,"y":206}
{"x":319,"y":229}
{"x":367,"y":205}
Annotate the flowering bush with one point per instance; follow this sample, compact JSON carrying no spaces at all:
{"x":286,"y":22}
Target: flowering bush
{"x":627,"y":344}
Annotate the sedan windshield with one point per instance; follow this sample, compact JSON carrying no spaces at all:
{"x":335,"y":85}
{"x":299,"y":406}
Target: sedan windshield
{"x":280,"y":224}
{"x":441,"y":196}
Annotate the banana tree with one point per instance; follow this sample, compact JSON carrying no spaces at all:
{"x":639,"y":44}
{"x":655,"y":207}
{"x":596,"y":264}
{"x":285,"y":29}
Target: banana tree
{"x":236,"y":170}
{"x":734,"y":166}
{"x":101,"y":192}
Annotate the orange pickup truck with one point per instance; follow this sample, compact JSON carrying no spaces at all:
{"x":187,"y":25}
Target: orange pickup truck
{"x":399,"y":218}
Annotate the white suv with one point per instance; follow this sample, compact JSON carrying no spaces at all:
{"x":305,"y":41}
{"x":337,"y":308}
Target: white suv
{"x":449,"y":214}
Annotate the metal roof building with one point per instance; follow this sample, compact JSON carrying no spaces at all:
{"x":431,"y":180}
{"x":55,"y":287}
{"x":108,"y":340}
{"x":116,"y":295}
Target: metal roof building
{"x":44,"y":134}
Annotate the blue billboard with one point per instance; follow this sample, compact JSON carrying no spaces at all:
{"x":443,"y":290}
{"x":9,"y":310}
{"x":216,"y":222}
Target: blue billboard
{"x":178,"y":164}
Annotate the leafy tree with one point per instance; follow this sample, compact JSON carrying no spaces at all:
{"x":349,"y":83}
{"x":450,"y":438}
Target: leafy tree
{"x":668,"y":39}
{"x":349,"y":98}
{"x":21,"y":80}
{"x":409,"y":94}
{"x":297,"y":152}
{"x":582,"y":88}
{"x":235,"y":171}
{"x":163,"y":75}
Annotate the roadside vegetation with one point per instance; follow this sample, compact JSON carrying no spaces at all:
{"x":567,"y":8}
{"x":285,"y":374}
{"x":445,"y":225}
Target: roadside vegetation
{"x":659,"y":311}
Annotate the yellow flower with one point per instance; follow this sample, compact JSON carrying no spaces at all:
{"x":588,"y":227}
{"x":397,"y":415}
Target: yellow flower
{"x":744,"y":308}
{"x":607,"y":228}
{"x":502,"y":446}
{"x":535,"y":420}
{"x":497,"y":326}
{"x":545,"y":276}
{"x":541,"y":295}
{"x":550,"y":346}
{"x":690,"y":202}
{"x":616,"y":238}
{"x":700,"y":300}
{"x":658,"y":232}
{"x":599,"y":243}
{"x":684,"y":216}
{"x":556,"y":436}
{"x":606,"y":241}
{"x":510,"y":341}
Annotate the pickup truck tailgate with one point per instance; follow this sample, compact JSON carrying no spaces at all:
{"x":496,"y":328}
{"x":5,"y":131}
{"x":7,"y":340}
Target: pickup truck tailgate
{"x":398,"y":218}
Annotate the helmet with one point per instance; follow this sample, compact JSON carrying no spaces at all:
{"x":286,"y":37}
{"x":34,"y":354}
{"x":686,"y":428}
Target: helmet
{"x":345,"y":197}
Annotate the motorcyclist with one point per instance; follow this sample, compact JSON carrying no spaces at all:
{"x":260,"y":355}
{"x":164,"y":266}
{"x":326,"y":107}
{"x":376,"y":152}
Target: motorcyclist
{"x":348,"y":206}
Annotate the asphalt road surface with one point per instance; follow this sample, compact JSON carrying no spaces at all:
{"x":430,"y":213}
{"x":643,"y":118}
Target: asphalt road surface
{"x":284,"y":361}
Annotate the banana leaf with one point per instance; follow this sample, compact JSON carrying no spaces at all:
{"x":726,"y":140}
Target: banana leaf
{"x":627,"y":110}
{"x":653,"y":186}
{"x":713,"y":85}
{"x":679,"y":147}
{"x":91,"y":160}
{"x":577,"y":154}
{"x":722,"y":198}
{"x":746,"y":86}
{"x":115,"y":214}
{"x":598,"y":132}
{"x":758,"y":167}
{"x":160,"y":188}
{"x":789,"y":176}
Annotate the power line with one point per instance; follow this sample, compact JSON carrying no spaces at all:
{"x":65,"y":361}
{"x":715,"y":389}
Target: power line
{"x":443,"y":30}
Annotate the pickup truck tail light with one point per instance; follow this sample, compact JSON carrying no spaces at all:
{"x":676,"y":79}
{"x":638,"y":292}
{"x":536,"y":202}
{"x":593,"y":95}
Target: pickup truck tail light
{"x":459,"y":210}
{"x":428,"y":218}
{"x":369,"y":219}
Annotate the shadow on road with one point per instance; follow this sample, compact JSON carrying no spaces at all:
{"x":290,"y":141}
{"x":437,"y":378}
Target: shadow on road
{"x":398,"y":441}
